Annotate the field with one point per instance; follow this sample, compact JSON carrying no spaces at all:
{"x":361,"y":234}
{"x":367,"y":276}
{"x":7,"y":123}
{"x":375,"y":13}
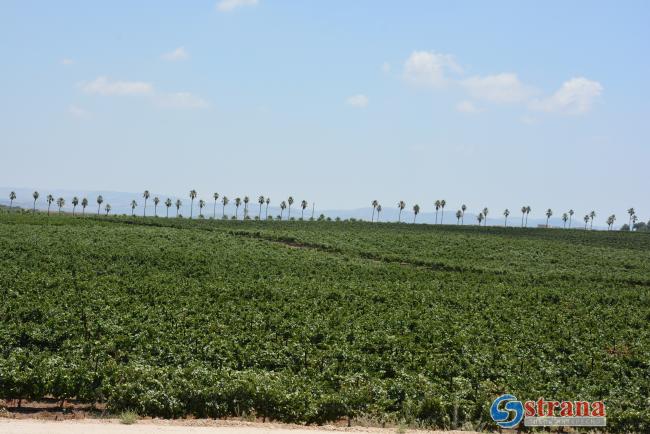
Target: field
{"x":312,"y":322}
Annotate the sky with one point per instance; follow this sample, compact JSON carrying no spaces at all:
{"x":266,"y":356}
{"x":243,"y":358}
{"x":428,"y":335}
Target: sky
{"x":498,"y":104}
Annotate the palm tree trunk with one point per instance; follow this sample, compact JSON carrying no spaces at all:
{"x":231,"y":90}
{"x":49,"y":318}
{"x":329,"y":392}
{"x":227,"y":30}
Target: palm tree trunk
{"x":302,"y":214}
{"x":167,"y":212}
{"x":289,"y":215}
{"x":526,"y":219}
{"x":98,"y":207}
{"x":48,"y":209}
{"x":191,"y":208}
{"x":414,"y":218}
{"x":73,"y":208}
{"x":462,"y":218}
{"x":546,"y":222}
{"x":144,"y":210}
{"x":436,"y":217}
{"x":11,"y":203}
{"x":260,"y":217}
{"x":267,"y":212}
{"x":372,"y":218}
{"x":399,"y":216}
{"x":155,"y":210}
{"x":34,"y":205}
{"x":442,"y":215}
{"x":214,"y":209}
{"x":570,"y":217}
{"x":505,"y":224}
{"x":223,"y":210}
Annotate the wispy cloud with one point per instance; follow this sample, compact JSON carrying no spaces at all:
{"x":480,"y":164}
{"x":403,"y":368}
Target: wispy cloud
{"x":467,"y":107}
{"x":358,"y":101}
{"x":67,"y":62}
{"x":229,"y":5}
{"x":176,"y":55}
{"x":78,"y":112}
{"x":575,"y":96}
{"x":500,"y":88}
{"x":104,"y":86}
{"x":429,"y":68}
{"x":180,"y":101}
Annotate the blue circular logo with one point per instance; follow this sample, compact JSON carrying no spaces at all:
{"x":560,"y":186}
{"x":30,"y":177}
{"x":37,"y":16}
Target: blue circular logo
{"x":509,"y":414}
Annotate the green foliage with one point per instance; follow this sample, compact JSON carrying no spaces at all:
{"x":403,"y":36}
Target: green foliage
{"x":313,"y":322}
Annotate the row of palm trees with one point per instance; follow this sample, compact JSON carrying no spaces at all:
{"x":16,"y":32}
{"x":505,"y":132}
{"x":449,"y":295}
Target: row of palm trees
{"x":439,"y":205}
{"x":262,"y":201}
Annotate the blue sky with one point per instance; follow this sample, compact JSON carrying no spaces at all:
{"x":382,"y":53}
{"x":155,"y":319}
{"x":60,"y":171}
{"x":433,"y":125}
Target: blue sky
{"x":496,"y":104}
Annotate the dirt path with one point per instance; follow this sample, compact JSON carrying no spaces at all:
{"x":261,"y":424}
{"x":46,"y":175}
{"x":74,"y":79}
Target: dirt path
{"x":95,"y":426}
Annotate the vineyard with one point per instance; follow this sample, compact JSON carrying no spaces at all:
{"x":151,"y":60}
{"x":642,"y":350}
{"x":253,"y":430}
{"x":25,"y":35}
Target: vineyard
{"x":313,"y":322}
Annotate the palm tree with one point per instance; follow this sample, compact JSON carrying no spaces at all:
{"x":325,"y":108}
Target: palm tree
{"x":178,"y":204}
{"x":528,"y":209}
{"x":459,"y":215}
{"x":215,"y":196}
{"x":479,"y":217}
{"x":374,"y":204}
{"x":631,"y":212}
{"x":565,"y":217}
{"x":463,"y":208}
{"x":134,"y":204}
{"x":378,"y":211}
{"x":237,"y":204}
{"x":571,"y":212}
{"x":156,"y":201}
{"x":416,"y":211}
{"x":401,"y":205}
{"x":260,"y":200}
{"x":610,"y":221}
{"x":290,"y":202}
{"x":303,"y":205}
{"x":592,"y":214}
{"x":107,"y":208}
{"x":60,"y":202}
{"x":485,"y":213}
{"x":84,"y":204}
{"x":146,"y":196}
{"x":549,"y":213}
{"x":100,"y":200}
{"x":168,"y":203}
{"x":523,"y":213}
{"x":75,"y":202}
{"x":506,"y":213}
{"x":35,"y":196}
{"x":586,"y":220}
{"x":192,"y":197}
{"x":201,"y":206}
{"x":50,"y":199}
{"x":283,"y":206}
{"x":224,"y":202}
{"x":268,"y":201}
{"x":12,"y":197}
{"x":246,"y":200}
{"x":442,"y":206}
{"x":437,"y":205}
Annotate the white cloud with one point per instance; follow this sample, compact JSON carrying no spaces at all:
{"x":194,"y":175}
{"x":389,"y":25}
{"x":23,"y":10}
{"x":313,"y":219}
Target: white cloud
{"x":499,"y":88}
{"x":385,"y":67}
{"x":229,"y":5}
{"x":103,"y":86}
{"x":176,"y":55}
{"x":78,"y":112}
{"x":67,"y":62}
{"x":576,"y":96}
{"x":467,"y":107}
{"x":359,"y":101}
{"x":181,"y":101}
{"x":429,"y":68}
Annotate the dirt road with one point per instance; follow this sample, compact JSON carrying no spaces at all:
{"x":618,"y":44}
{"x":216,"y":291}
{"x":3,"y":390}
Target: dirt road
{"x":94,"y":426}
